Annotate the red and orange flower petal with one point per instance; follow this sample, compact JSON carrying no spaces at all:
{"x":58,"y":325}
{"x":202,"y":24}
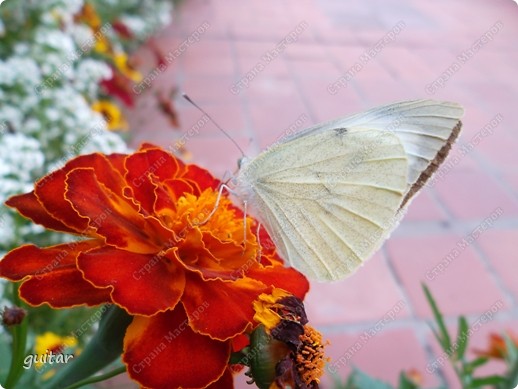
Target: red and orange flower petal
{"x":113,"y":216}
{"x":31,"y":260}
{"x":142,"y":283}
{"x":29,"y":206}
{"x":63,"y":289}
{"x":142,"y":165}
{"x":281,"y":277}
{"x":154,"y":160}
{"x":118,"y":160}
{"x":50,"y":189}
{"x":201,"y":178}
{"x":167,"y":194}
{"x":196,"y":251}
{"x":225,"y":382}
{"x":162,"y":351}
{"x":220,"y":309}
{"x":240,"y":342}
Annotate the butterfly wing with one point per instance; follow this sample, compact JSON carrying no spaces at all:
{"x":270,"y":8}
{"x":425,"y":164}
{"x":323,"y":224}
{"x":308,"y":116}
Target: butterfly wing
{"x":331,"y":194}
{"x":327,"y":199}
{"x":426,"y":128}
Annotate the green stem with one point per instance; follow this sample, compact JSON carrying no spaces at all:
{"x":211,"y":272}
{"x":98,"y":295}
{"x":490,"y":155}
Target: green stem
{"x":104,"y":347}
{"x":19,"y":334}
{"x":98,"y":378}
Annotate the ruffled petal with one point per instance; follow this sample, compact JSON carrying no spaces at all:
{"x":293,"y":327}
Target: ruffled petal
{"x":225,"y":382}
{"x":162,"y":351}
{"x":113,"y":216}
{"x":29,"y":206}
{"x":144,"y":164}
{"x":220,"y":309}
{"x":118,"y":161}
{"x":281,"y":277}
{"x":142,"y":283}
{"x":63,"y":289}
{"x":31,"y":260}
{"x":168,"y":193}
{"x":212,"y":258}
{"x":201,"y":179}
{"x":50,"y":189}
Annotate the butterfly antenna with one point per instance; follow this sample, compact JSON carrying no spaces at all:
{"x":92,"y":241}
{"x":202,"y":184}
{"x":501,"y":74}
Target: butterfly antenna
{"x":214,"y":122}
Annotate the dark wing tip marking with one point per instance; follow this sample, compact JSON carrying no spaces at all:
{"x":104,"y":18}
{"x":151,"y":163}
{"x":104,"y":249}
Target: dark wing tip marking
{"x":434,"y":165}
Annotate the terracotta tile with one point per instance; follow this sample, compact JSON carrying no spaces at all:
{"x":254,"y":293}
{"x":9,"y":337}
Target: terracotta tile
{"x":499,"y":148}
{"x":314,"y":68}
{"x":211,"y":89}
{"x":500,"y":248}
{"x":259,"y":67}
{"x":474,"y":195}
{"x":405,"y":64}
{"x":423,"y":208}
{"x":326,"y":106}
{"x":441,"y":261}
{"x":367,"y":295}
{"x":381,"y":352}
{"x":511,"y":179}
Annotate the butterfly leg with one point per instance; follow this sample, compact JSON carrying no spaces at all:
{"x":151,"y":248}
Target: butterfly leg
{"x":260,"y":250}
{"x":245,"y":204}
{"x":220,"y":192}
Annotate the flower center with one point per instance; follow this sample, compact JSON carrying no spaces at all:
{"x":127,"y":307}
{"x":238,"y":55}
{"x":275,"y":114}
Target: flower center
{"x":310,"y":357}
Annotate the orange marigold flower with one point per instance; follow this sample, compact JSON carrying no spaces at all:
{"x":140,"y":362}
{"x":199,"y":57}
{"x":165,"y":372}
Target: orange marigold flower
{"x":285,"y":352}
{"x":147,"y":247}
{"x":497,"y":347}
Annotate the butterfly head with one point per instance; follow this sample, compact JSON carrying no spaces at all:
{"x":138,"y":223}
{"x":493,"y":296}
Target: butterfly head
{"x":242,"y":162}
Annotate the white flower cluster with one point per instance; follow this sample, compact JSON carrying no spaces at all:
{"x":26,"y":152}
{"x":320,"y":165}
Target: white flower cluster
{"x":152,"y":16}
{"x":47,"y":86}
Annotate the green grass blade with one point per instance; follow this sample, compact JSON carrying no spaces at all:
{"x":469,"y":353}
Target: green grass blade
{"x":444,"y":336}
{"x":462,"y":338}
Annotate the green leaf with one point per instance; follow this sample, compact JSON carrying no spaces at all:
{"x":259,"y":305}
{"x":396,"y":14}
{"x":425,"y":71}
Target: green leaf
{"x":443,"y":337}
{"x":5,"y":356}
{"x":471,"y":366}
{"x":489,"y":380}
{"x":361,"y":380}
{"x":512,"y":364}
{"x":462,"y":337}
{"x":262,"y":365}
{"x":405,"y":383}
{"x":512,"y":349}
{"x":19,"y":344}
{"x":98,"y":378}
{"x":104,"y":347}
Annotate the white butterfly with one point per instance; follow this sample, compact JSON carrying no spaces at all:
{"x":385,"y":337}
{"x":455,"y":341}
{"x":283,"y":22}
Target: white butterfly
{"x":330,"y":195}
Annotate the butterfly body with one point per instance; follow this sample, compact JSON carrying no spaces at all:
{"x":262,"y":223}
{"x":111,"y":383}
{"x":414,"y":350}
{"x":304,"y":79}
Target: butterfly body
{"x":330,"y":195}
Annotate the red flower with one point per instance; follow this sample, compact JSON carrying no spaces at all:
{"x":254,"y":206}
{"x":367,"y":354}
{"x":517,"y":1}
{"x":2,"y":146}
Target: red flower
{"x":497,"y":347}
{"x":166,"y":106}
{"x":120,"y":86}
{"x":190,"y":283}
{"x":122,"y":30}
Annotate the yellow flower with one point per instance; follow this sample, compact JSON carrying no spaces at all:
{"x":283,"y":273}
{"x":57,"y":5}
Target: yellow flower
{"x":292,"y":352}
{"x":50,"y":341}
{"x":121,"y":63}
{"x":89,"y":16}
{"x":111,"y":114}
{"x":267,"y":308}
{"x":102,"y":45}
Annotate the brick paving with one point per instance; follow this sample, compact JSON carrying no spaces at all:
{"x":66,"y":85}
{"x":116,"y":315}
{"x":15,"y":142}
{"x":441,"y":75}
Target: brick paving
{"x":427,"y":41}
